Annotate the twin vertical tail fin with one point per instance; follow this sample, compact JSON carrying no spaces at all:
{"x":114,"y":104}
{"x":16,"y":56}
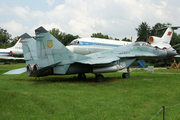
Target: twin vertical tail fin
{"x":29,"y":49}
{"x":47,"y":53}
{"x":50,"y":50}
{"x":29,"y":52}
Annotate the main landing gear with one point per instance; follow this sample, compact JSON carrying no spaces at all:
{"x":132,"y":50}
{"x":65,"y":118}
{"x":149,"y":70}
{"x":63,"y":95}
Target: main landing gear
{"x":126,"y":75}
{"x":98,"y":77}
{"x":81,"y":76}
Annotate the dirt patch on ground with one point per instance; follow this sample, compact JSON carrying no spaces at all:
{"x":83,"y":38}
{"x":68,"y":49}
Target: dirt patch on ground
{"x":147,"y":79}
{"x":131,"y":69}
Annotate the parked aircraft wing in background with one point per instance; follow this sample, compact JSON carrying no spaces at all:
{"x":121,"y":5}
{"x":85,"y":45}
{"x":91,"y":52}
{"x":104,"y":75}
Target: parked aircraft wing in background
{"x":9,"y":53}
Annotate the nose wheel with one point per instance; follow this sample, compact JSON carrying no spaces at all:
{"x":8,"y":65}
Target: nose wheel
{"x":126,"y":75}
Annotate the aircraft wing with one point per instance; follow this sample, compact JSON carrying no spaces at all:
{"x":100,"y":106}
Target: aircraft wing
{"x":110,"y":56}
{"x":99,"y":60}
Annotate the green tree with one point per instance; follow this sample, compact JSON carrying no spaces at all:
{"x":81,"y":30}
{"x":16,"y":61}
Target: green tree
{"x":14,"y":41}
{"x":157,"y":29}
{"x":4,"y":37}
{"x":116,"y":39}
{"x":68,"y":38}
{"x":175,"y":41}
{"x":57,"y":34}
{"x":99,"y":35}
{"x":125,"y":39}
{"x":143,"y":31}
{"x":63,"y":37}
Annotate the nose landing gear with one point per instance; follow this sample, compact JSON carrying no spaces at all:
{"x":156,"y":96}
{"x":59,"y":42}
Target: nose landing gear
{"x":126,"y":75}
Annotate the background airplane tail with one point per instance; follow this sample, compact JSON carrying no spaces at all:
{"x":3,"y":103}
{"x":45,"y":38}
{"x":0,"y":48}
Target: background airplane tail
{"x":166,"y":38}
{"x":18,"y":44}
{"x":164,"y":41}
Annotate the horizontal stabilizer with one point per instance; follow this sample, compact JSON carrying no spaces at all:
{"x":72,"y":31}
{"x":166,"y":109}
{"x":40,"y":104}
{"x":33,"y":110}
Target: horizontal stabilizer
{"x":41,"y":71}
{"x":16,"y":71}
{"x":173,"y":27}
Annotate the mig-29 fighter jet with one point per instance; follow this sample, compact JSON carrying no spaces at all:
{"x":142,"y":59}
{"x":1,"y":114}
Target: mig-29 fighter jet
{"x":47,"y":56}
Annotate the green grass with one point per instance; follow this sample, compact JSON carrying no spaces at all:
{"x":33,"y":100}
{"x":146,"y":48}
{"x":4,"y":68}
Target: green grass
{"x":66,"y":98}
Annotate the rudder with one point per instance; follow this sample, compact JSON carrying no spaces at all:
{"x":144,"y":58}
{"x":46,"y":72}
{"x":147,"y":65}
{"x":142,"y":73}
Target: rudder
{"x":166,"y":38}
{"x":29,"y":49}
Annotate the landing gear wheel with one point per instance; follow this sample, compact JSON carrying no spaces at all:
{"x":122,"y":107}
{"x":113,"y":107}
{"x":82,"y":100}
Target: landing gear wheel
{"x":99,"y":78}
{"x":125,"y":75}
{"x":81,"y":76}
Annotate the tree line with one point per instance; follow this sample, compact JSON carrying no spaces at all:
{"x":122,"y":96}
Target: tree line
{"x":6,"y":40}
{"x":143,"y":33}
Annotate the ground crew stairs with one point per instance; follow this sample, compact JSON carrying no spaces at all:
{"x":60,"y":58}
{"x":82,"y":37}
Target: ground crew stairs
{"x":142,"y":64}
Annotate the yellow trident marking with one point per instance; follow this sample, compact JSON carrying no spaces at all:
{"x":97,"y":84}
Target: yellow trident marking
{"x":49,"y":43}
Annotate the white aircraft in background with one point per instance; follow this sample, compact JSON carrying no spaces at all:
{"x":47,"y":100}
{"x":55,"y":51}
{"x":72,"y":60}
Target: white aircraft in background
{"x":16,"y":50}
{"x":85,"y":46}
{"x":164,"y":41}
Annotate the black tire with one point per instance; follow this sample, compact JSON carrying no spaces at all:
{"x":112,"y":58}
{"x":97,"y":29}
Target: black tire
{"x":81,"y":76}
{"x":125,"y":75}
{"x":99,"y":78}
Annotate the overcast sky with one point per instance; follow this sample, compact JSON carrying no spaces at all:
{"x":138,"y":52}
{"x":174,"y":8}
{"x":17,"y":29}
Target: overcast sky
{"x":116,"y":18}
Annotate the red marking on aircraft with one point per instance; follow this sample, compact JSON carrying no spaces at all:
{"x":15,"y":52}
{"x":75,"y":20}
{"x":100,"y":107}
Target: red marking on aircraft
{"x":10,"y":52}
{"x":169,"y":33}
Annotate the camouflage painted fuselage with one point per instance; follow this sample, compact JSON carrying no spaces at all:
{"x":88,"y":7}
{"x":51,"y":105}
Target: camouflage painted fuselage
{"x":47,"y":56}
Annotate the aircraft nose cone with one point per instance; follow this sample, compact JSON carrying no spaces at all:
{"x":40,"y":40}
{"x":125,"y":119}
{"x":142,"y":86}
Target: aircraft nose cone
{"x":70,"y":48}
{"x":171,"y":53}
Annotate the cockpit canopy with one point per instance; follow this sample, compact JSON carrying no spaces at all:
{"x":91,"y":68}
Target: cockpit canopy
{"x":75,"y":42}
{"x":141,"y":44}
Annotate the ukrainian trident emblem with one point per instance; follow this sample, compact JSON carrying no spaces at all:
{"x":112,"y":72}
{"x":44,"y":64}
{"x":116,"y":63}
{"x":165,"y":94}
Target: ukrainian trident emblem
{"x":49,"y":43}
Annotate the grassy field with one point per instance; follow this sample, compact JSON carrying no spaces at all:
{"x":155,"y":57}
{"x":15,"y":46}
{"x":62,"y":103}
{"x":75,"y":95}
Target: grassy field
{"x":65,"y":98}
